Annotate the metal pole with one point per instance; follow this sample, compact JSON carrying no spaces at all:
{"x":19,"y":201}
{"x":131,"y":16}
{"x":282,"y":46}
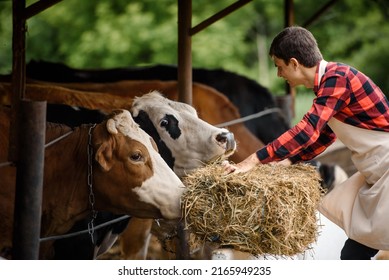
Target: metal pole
{"x":184,"y":77}
{"x":290,"y":92}
{"x":184,"y":74}
{"x":29,"y":181}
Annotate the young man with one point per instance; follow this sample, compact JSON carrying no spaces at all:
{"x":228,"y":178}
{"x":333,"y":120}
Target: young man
{"x":349,"y":106}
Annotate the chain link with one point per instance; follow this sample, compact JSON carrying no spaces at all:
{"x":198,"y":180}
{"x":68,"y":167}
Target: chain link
{"x":91,"y":228}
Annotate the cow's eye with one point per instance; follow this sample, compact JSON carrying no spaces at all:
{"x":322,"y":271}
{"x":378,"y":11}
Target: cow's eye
{"x":136,"y":156}
{"x":164,"y":122}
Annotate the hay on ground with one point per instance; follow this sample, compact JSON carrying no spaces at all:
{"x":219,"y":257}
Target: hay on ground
{"x":268,"y":210}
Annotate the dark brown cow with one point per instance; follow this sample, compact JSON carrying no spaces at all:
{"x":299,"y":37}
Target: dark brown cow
{"x":129,"y":177}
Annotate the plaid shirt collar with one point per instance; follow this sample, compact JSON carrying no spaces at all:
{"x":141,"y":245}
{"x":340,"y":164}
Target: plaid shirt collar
{"x":320,"y":70}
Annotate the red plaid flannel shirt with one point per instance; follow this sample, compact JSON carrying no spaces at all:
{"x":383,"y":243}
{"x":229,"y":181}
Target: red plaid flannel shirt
{"x":345,"y":94}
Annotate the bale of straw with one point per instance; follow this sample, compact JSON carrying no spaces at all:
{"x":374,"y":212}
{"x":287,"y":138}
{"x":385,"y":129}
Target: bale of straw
{"x":268,"y":210}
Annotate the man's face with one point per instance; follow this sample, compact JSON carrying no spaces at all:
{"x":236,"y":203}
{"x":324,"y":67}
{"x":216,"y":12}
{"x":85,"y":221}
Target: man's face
{"x":288,"y":72}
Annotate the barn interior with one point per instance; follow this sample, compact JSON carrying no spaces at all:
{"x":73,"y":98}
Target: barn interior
{"x":27,"y":237}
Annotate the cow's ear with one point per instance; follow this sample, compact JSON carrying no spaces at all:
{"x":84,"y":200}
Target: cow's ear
{"x":104,"y":155}
{"x":111,"y":126}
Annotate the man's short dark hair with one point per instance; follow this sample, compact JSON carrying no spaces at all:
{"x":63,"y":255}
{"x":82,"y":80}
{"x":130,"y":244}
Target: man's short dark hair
{"x":296,"y":42}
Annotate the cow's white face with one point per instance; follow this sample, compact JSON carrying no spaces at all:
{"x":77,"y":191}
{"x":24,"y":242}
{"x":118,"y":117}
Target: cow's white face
{"x":185,"y":141}
{"x":145,"y":185}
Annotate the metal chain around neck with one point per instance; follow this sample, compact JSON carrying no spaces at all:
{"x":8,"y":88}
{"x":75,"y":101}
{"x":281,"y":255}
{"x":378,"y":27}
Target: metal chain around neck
{"x":91,"y":228}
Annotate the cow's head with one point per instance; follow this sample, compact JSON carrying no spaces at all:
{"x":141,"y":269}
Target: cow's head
{"x":184,"y":140}
{"x":131,"y":176}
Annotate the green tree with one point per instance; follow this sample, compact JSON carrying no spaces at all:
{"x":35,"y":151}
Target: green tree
{"x":116,"y":33}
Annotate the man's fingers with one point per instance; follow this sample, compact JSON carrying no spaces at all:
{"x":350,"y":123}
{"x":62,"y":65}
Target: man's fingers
{"x":228,"y":167}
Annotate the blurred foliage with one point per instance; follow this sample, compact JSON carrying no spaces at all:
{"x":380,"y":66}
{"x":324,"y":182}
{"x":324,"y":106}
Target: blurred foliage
{"x":117,"y":33}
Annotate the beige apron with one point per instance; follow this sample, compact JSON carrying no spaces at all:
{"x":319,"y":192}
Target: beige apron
{"x":360,"y":205}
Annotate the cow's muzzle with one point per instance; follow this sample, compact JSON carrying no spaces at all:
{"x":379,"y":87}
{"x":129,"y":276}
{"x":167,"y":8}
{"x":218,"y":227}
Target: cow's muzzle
{"x":228,"y":139}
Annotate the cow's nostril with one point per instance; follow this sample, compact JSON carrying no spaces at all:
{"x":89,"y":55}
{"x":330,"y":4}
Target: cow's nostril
{"x":222,"y":137}
{"x":227,"y":139}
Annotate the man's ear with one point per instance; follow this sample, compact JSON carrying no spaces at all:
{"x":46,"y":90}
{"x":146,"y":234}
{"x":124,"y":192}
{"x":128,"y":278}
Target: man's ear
{"x":295,"y":63}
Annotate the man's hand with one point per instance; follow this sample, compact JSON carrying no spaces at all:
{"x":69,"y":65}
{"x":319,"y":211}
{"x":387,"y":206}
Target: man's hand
{"x":244,"y":166}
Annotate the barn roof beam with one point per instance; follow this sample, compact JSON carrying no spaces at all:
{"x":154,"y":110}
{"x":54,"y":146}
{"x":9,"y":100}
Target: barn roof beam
{"x":38,"y":7}
{"x":321,"y":11}
{"x":223,"y":13}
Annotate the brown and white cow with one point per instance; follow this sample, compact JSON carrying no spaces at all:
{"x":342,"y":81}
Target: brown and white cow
{"x":129,"y":177}
{"x":175,"y":128}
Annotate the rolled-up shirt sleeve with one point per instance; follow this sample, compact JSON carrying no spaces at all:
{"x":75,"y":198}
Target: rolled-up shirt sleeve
{"x":326,"y":138}
{"x":299,"y":143}
{"x":311,"y":136}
